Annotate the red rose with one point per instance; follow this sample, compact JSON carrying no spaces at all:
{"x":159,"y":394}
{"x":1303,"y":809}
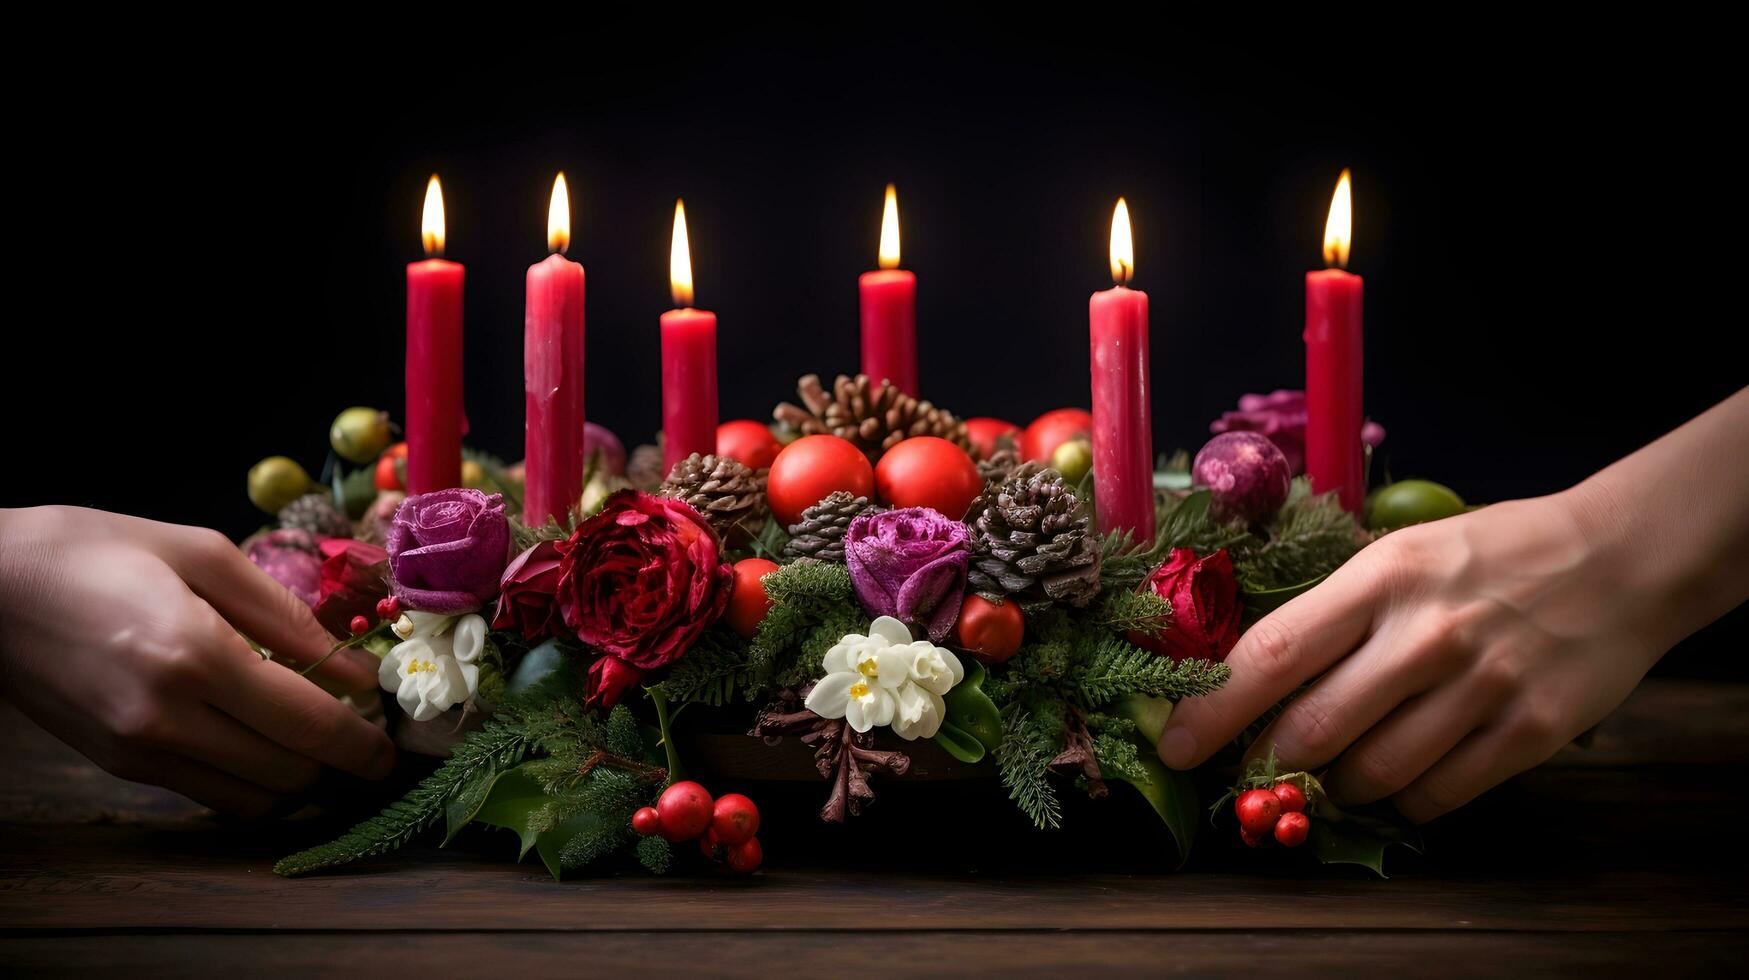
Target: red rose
{"x":1205,"y":606}
{"x":527,"y":593}
{"x":354,"y":576}
{"x":642,"y":579}
{"x":608,"y":678}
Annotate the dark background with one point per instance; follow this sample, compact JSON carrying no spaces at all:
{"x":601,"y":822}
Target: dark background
{"x":214,"y":237}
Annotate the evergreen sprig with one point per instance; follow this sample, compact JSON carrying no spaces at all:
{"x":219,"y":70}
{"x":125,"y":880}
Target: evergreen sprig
{"x":1138,"y":611}
{"x":1310,"y":536}
{"x":812,"y":604}
{"x":499,"y":745}
{"x":714,"y":670}
{"x":1118,"y":669}
{"x":1023,"y":760}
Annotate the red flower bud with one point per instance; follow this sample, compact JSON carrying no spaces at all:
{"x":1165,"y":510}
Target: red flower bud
{"x":1205,"y":606}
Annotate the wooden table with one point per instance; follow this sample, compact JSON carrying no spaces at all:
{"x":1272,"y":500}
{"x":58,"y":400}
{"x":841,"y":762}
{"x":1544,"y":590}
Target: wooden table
{"x":1620,"y":857}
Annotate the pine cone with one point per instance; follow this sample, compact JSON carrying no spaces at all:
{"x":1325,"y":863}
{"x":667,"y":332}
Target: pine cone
{"x":821,"y":531}
{"x":873,"y":416}
{"x":1030,"y":539}
{"x":997,"y":468}
{"x":644,"y":468}
{"x":316,"y":514}
{"x":728,"y":494}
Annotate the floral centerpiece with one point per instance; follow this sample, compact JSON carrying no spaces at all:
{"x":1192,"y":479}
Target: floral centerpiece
{"x":926,"y":589}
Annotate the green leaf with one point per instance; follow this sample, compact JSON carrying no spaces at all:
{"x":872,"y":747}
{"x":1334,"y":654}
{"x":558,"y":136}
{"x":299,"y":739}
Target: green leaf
{"x":1262,"y":602}
{"x":973,"y":725}
{"x":1149,"y":714}
{"x":551,"y":843}
{"x":512,"y":803}
{"x":1345,"y":837}
{"x":1172,"y":794}
{"x":462,"y":807}
{"x":536,"y":666}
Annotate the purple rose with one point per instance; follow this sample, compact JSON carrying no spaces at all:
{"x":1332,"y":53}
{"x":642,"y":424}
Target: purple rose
{"x":909,"y":564}
{"x":1281,"y":415}
{"x":447,"y":550}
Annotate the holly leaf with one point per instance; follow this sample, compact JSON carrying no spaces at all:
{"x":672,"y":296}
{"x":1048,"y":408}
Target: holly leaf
{"x":511,"y":803}
{"x":1172,"y":794}
{"x":1340,"y":837}
{"x":461,"y":808}
{"x":973,"y":724}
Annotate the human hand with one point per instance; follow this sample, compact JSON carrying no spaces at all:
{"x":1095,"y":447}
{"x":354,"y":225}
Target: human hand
{"x":121,"y":637}
{"x":1443,"y":658}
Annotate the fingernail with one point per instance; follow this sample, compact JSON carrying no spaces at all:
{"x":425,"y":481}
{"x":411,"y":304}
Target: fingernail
{"x":1178,"y":747}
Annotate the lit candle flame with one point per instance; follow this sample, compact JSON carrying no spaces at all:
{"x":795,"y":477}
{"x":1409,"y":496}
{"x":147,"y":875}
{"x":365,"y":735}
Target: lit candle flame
{"x":1123,"y":250}
{"x":890,"y":230}
{"x":680,"y":259}
{"x":559,"y":217}
{"x":431,"y":221}
{"x":1339,"y":229}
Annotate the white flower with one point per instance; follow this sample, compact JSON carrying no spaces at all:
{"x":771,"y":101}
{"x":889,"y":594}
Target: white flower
{"x":437,"y":663}
{"x":886,"y":678}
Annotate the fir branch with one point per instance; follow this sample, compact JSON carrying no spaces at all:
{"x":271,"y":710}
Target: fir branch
{"x":523,"y":537}
{"x":1118,"y":668}
{"x":1117,"y":758}
{"x":1024,"y":760}
{"x":499,"y":745}
{"x":810,"y":600}
{"x":808,"y":584}
{"x":1310,"y":536}
{"x":655,"y":854}
{"x":608,"y":797}
{"x":1142,"y":612}
{"x":714,"y":669}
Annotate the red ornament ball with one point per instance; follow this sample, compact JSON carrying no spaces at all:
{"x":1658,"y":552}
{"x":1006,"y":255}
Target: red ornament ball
{"x":684,"y":810}
{"x":1292,"y":828}
{"x":1051,"y":430}
{"x":734,"y":819}
{"x":986,"y":432}
{"x":1250,"y":839}
{"x":1258,"y":810}
{"x":388,"y":474}
{"x":1293,"y":799}
{"x":928,"y":471}
{"x":806,"y":471}
{"x":747,"y":602}
{"x":746,"y":856}
{"x":646,"y":821}
{"x":359,"y":624}
{"x":708,"y":844}
{"x":748,"y":442}
{"x":989,"y":631}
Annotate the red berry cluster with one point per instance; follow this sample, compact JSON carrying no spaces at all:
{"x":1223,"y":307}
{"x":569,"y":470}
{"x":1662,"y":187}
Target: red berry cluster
{"x":724,"y":827}
{"x":1280,"y":811}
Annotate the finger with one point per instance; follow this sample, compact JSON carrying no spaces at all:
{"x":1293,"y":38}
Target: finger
{"x":210,"y":736}
{"x":1391,"y":667}
{"x":1405,"y":745}
{"x":204,"y":785}
{"x":1481,"y":761}
{"x":296,"y":714}
{"x":1282,"y":651}
{"x":262,"y":609}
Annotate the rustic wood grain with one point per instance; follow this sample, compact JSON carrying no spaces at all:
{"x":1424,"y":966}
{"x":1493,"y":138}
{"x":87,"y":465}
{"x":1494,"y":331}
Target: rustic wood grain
{"x":930,"y":954}
{"x":1613,"y":858}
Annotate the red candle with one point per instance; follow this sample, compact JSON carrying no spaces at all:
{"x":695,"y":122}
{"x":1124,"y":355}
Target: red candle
{"x":689,"y":361}
{"x":434,"y":359}
{"x":889,"y":310}
{"x":1123,"y":439}
{"x":1334,"y":412}
{"x":552,"y":373}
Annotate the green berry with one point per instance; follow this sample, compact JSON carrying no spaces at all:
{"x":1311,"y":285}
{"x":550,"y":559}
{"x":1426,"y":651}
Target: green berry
{"x":1411,"y":502}
{"x":359,"y":435}
{"x":1073,"y":459}
{"x":277,"y":481}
